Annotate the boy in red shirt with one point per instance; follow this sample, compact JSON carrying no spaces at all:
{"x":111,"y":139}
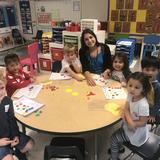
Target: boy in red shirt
{"x":15,"y":76}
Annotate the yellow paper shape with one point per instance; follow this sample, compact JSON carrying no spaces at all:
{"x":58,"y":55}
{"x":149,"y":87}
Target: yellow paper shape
{"x":75,"y":93}
{"x":68,"y":90}
{"x":113,"y":108}
{"x":47,"y":83}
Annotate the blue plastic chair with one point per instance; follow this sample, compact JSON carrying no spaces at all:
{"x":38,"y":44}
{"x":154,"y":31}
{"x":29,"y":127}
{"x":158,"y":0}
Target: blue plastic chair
{"x":150,"y":42}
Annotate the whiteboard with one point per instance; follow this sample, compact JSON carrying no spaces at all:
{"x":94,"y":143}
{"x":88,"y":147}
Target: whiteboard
{"x":60,"y":9}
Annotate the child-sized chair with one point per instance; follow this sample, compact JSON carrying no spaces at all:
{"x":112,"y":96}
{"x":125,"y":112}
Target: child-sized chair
{"x":32,"y":59}
{"x":65,"y":147}
{"x":150,"y":150}
{"x":149,"y":45}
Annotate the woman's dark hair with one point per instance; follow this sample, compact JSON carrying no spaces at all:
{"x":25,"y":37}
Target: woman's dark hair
{"x":83,"y":45}
{"x":122,"y":56}
{"x":143,"y":79}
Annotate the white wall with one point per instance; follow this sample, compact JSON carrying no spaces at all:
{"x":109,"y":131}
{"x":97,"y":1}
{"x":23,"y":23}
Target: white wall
{"x":94,"y":9}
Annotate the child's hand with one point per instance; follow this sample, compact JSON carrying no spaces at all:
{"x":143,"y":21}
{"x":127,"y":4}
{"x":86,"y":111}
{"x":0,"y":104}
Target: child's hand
{"x":5,"y":141}
{"x":151,"y":119}
{"x":15,"y":141}
{"x":123,"y":84}
{"x":106,"y":74}
{"x":33,"y":79}
{"x":79,"y":78}
{"x":123,"y":117}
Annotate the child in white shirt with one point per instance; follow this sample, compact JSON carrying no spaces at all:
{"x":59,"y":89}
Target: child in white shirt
{"x":71,"y":64}
{"x":135,"y":115}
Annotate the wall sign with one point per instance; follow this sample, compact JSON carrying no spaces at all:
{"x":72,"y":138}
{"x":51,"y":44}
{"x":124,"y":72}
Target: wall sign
{"x":44,"y":18}
{"x":26,"y":16}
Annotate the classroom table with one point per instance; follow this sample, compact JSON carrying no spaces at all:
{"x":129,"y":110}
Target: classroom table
{"x":70,"y":107}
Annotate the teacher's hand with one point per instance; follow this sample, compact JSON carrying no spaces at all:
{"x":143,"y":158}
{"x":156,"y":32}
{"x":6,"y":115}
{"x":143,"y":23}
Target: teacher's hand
{"x":90,"y":81}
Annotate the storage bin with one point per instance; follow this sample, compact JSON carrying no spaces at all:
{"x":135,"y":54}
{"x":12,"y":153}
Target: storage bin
{"x":56,"y":54}
{"x":45,"y":64}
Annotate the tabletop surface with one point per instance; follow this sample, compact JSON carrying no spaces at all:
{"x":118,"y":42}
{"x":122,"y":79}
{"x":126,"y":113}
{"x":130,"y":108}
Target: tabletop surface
{"x":70,"y":107}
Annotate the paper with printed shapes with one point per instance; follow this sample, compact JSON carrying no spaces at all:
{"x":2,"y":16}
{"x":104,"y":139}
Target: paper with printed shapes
{"x":114,"y":93}
{"x":25,"y":106}
{"x":31,"y":91}
{"x":59,"y":76}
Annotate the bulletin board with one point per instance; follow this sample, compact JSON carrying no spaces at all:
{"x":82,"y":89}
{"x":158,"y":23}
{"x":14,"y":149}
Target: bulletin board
{"x":57,"y":10}
{"x":134,"y":16}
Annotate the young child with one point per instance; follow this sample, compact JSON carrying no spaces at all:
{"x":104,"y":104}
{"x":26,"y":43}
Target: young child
{"x":135,"y":115}
{"x":71,"y":63}
{"x":120,"y":68}
{"x":150,"y":67}
{"x":157,"y":54}
{"x":9,"y":133}
{"x":15,"y":76}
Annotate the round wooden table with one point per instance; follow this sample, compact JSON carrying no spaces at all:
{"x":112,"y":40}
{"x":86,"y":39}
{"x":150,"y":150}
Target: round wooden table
{"x":70,"y":107}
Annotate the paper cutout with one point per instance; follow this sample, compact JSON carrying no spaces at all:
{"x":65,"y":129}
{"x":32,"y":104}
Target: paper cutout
{"x":91,"y":94}
{"x":75,"y":93}
{"x":113,"y":108}
{"x":68,"y":90}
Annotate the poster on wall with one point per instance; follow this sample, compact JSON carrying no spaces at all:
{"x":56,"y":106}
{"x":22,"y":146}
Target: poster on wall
{"x":119,"y":4}
{"x":44,"y":18}
{"x":142,"y":4}
{"x":132,"y":16}
{"x":2,"y":19}
{"x":114,"y":15}
{"x":129,"y":4}
{"x":26,"y":16}
{"x":126,"y":27}
{"x":123,"y":15}
{"x":140,"y":27}
{"x":117,"y":27}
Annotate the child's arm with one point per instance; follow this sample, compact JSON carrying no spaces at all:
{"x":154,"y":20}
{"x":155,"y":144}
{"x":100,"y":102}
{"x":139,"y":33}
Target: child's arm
{"x":77,"y":66}
{"x":12,"y":120}
{"x":133,"y":124}
{"x":29,"y":77}
{"x":17,"y":84}
{"x":73,"y":74}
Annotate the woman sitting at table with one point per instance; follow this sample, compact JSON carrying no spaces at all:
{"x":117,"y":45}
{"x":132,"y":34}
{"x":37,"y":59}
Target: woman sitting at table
{"x":94,"y":56}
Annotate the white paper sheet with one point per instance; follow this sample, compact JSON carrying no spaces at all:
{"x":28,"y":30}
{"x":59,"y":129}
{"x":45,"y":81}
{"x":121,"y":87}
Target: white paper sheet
{"x":114,"y":93}
{"x":30,"y":91}
{"x":59,"y":76}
